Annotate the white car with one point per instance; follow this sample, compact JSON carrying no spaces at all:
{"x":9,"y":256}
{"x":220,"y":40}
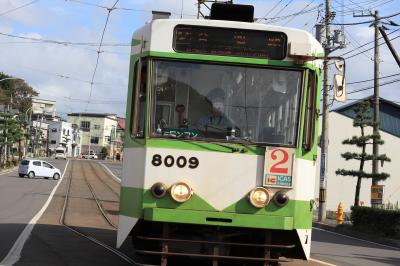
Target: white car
{"x":89,"y":156}
{"x":33,"y":168}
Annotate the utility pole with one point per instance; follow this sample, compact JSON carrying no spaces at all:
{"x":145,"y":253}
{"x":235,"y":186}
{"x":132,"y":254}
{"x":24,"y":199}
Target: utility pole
{"x":375,"y":146}
{"x":330,"y":44}
{"x":325,"y":117}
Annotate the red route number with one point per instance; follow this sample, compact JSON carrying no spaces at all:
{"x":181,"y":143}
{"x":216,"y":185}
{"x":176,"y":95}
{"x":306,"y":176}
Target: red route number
{"x":274,"y":168}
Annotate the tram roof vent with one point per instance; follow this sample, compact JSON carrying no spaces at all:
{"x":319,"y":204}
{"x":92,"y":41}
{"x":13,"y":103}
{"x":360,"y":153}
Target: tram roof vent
{"x":232,"y":12}
{"x":160,"y":15}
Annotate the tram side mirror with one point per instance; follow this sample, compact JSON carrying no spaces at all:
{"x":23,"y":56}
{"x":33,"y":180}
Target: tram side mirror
{"x":339,"y":82}
{"x":339,"y":87}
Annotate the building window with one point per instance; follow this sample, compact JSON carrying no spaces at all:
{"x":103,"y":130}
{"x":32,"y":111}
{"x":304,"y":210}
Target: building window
{"x":53,"y":142}
{"x":96,"y":126}
{"x":94,"y":140}
{"x":85,"y":125}
{"x":63,"y":131}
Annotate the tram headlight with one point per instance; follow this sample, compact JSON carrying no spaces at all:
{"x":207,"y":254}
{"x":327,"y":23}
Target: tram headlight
{"x":259,"y":197}
{"x":181,"y":192}
{"x":281,"y":199}
{"x":159,"y":190}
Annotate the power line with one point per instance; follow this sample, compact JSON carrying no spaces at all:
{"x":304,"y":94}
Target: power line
{"x":125,"y":8}
{"x":370,"y":48}
{"x":371,"y":87}
{"x":277,"y":4}
{"x":304,"y":8}
{"x":17,"y":8}
{"x":366,"y":80}
{"x":65,"y":43}
{"x":99,"y":51}
{"x":364,"y":22}
{"x":275,"y":19}
{"x":283,"y":8}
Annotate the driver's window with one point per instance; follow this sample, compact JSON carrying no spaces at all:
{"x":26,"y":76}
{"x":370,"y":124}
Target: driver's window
{"x":140,"y":100}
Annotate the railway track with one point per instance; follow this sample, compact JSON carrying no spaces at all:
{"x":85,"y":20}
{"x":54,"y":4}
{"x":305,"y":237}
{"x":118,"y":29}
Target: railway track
{"x":80,"y":232}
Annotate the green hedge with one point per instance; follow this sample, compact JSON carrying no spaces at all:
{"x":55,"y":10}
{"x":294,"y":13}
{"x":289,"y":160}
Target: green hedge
{"x":378,"y":221}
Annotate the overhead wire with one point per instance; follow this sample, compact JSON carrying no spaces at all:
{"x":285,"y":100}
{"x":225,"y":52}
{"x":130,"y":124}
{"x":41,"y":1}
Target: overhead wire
{"x":126,"y":8}
{"x":276,"y":19}
{"x":99,"y":52}
{"x":277,"y":4}
{"x":371,"y":87}
{"x":366,"y":80}
{"x":19,"y":7}
{"x":364,"y":22}
{"x":283,"y":8}
{"x":304,"y":8}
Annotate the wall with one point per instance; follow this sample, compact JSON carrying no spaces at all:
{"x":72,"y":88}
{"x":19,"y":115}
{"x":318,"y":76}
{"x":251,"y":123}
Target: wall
{"x":342,"y":188}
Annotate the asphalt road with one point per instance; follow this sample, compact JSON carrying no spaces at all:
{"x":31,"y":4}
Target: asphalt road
{"x":341,"y":250}
{"x":333,"y":248}
{"x":54,"y":244}
{"x":20,"y":200}
{"x":114,"y":167}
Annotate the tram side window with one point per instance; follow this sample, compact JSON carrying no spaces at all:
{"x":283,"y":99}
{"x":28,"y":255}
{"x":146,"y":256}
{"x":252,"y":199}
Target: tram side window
{"x":309,"y":127}
{"x":140,"y":100}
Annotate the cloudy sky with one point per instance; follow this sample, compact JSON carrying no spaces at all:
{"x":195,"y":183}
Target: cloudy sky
{"x":53,"y":44}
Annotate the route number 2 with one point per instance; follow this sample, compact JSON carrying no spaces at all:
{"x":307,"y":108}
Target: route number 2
{"x":284,"y":158}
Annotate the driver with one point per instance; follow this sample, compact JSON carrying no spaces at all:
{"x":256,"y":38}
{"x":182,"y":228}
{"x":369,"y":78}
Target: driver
{"x":215,"y":123}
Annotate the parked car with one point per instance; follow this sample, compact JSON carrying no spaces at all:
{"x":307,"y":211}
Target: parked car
{"x":91,"y":155}
{"x":32,"y":168}
{"x":60,"y":153}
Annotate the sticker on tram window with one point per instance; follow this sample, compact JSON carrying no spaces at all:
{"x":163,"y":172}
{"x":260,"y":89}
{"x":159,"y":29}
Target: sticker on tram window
{"x":278,"y":167}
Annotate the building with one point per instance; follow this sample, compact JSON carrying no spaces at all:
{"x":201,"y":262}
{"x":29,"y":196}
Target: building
{"x":119,"y":140}
{"x":42,"y":109}
{"x":66,"y":135}
{"x":96,"y":130}
{"x":342,"y":188}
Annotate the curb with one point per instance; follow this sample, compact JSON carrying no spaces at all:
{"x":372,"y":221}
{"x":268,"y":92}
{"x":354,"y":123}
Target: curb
{"x":362,"y":236}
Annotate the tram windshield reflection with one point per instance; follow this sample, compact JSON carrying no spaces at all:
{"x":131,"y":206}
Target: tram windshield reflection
{"x":225,"y":102}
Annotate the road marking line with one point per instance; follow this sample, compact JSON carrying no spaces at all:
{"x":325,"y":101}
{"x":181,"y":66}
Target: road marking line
{"x":322,"y":262}
{"x":351,"y":237}
{"x":15,"y":252}
{"x":111,"y":173}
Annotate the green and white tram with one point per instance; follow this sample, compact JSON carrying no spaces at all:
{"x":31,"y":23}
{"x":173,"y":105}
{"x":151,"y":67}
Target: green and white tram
{"x":221,"y":141}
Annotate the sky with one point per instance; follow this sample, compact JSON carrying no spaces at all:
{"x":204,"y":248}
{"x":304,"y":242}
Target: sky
{"x":62,"y":67}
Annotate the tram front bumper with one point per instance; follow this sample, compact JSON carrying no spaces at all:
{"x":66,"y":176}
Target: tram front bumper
{"x":218,"y":218}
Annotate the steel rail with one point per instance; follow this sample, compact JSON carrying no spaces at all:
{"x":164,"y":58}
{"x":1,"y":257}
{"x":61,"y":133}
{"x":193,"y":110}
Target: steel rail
{"x":96,"y":199}
{"x":103,"y":181}
{"x":94,"y":240}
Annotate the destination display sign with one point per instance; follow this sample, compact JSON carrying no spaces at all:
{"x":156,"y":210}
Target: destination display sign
{"x":230,"y":42}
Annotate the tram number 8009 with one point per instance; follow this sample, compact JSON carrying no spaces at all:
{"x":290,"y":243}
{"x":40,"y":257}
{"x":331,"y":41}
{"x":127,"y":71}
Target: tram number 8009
{"x":169,"y":161}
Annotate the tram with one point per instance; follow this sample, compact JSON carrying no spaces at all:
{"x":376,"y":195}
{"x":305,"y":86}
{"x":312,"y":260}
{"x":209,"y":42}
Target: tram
{"x":221,"y":140}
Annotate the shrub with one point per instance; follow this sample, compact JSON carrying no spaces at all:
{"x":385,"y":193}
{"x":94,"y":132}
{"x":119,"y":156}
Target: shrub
{"x":377,"y":221}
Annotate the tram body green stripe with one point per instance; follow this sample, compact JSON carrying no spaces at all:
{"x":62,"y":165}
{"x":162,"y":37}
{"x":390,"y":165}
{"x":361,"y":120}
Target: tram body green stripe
{"x":200,"y":217}
{"x":135,"y":200}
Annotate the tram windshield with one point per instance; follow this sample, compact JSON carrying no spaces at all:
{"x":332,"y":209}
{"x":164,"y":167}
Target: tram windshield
{"x":225,"y":102}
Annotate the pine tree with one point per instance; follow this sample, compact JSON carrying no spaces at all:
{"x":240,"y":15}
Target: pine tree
{"x":362,"y":120}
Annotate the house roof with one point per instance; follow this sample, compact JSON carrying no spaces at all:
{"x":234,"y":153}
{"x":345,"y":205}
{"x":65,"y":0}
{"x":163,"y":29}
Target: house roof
{"x":92,"y":114}
{"x":389,"y":114}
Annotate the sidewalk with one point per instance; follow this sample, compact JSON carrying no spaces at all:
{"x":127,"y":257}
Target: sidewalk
{"x":346,"y":229}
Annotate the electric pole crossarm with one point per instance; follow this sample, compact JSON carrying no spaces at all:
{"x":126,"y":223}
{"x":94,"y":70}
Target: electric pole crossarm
{"x":389,"y":44}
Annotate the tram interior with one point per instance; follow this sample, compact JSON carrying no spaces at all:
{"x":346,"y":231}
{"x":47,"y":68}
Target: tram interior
{"x":254,"y":104}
